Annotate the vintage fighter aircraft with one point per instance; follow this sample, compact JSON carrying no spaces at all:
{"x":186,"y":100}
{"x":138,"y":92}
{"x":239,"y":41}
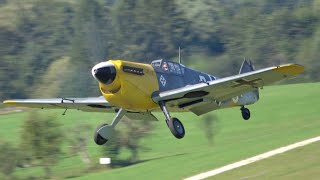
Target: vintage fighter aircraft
{"x":135,"y":90}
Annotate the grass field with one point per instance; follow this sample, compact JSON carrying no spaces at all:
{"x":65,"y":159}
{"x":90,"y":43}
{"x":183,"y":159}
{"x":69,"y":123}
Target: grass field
{"x":284,"y":115}
{"x":301,"y":163}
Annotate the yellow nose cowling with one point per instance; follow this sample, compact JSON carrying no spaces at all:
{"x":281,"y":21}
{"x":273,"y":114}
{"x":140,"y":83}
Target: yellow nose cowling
{"x":132,"y":87}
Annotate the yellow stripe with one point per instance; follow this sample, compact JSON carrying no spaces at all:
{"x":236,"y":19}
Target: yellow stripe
{"x":292,"y":69}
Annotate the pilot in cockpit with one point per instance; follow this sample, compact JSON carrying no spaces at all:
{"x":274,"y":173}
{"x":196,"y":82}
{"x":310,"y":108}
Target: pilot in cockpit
{"x":165,"y":66}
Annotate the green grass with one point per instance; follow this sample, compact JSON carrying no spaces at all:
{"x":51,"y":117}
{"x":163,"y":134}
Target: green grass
{"x":284,"y":115}
{"x":301,"y":163}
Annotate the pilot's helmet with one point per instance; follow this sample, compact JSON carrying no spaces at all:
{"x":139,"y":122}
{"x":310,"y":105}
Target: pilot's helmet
{"x":165,"y":66}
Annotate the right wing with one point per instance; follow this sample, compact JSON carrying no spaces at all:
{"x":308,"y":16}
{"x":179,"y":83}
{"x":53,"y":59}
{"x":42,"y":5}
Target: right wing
{"x":204,"y":97}
{"x":93,"y":104}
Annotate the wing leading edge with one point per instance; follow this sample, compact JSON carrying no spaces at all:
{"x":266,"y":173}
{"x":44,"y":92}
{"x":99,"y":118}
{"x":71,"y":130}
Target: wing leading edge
{"x":94,"y":104}
{"x":213,"y":92}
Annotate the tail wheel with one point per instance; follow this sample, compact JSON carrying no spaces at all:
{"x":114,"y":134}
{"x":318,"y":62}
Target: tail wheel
{"x":98,"y":139}
{"x":176,"y":128}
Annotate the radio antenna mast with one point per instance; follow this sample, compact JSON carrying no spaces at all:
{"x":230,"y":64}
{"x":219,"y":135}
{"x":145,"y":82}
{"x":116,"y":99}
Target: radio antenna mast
{"x":179,"y":55}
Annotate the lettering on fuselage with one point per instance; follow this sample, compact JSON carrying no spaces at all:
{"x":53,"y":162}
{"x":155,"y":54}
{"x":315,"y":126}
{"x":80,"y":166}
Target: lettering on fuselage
{"x":133,"y":70}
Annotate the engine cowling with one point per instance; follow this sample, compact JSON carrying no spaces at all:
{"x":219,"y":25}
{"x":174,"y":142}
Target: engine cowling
{"x":127,"y":84}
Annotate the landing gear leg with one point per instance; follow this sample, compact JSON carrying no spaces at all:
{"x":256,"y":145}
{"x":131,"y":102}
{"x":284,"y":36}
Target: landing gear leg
{"x":245,"y":113}
{"x":175,"y":126}
{"x":104,"y":132}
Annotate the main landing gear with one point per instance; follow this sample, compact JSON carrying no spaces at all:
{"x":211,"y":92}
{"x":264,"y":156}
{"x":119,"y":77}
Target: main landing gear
{"x":104,"y":132}
{"x":175,"y":126}
{"x":245,"y":113}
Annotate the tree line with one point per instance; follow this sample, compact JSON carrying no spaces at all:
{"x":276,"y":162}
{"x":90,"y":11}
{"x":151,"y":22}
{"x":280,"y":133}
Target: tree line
{"x":47,"y":48}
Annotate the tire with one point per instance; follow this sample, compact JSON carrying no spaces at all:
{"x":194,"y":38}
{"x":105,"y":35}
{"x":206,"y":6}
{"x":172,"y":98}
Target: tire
{"x":245,"y":113}
{"x":98,"y":139}
{"x":176,"y":128}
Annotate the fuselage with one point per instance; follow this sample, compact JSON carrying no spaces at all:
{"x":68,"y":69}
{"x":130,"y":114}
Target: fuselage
{"x":131,"y":85}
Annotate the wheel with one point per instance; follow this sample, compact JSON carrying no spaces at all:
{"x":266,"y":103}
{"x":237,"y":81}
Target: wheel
{"x":176,"y":128}
{"x":98,"y":139}
{"x":245,"y":113}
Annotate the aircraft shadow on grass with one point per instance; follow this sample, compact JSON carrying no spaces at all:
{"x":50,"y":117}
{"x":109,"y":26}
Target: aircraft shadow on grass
{"x":126,"y":163}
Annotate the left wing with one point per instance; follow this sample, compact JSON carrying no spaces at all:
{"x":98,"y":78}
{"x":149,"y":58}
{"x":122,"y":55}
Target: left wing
{"x":208,"y":95}
{"x":94,"y":104}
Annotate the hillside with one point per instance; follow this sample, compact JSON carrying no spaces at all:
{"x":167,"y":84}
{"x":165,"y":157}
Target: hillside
{"x":215,"y":36}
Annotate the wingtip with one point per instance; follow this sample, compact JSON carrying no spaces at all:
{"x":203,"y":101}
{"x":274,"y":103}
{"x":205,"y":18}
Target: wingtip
{"x":9,"y":102}
{"x":292,"y":69}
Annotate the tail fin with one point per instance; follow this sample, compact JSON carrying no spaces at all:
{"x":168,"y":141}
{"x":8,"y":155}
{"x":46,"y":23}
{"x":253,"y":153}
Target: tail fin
{"x":251,"y":96}
{"x":246,"y":66}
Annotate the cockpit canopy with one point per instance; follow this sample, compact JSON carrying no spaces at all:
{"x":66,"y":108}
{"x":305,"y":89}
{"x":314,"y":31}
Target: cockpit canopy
{"x":156,"y":63}
{"x":168,"y":66}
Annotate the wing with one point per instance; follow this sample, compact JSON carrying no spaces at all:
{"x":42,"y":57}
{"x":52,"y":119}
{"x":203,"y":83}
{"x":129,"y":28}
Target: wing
{"x":94,"y":104}
{"x":208,"y":95}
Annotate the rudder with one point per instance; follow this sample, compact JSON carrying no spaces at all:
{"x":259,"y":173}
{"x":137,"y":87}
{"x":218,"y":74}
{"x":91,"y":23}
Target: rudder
{"x":252,"y":96}
{"x":247,"y":66}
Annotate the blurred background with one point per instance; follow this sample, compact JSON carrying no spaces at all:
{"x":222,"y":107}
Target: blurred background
{"x":48,"y":47}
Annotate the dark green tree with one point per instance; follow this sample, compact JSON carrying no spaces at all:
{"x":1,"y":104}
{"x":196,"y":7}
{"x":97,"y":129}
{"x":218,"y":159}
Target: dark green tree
{"x":209,"y":125}
{"x":148,"y":30}
{"x":8,"y":158}
{"x":41,"y":139}
{"x":91,"y":43}
{"x":129,"y":138}
{"x":78,"y":140}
